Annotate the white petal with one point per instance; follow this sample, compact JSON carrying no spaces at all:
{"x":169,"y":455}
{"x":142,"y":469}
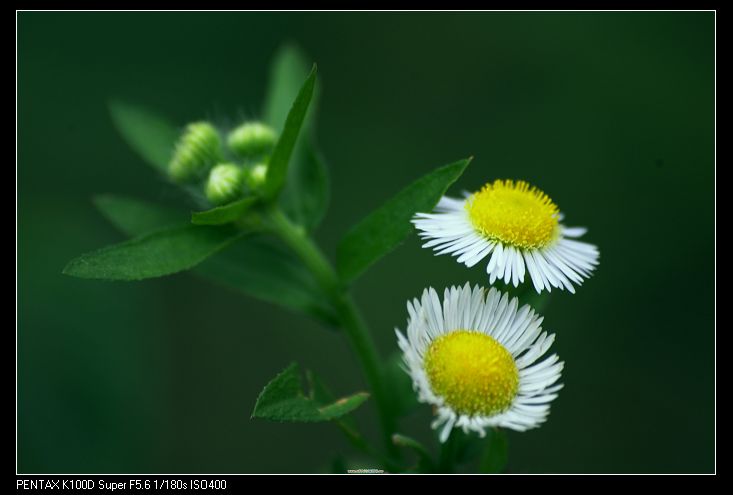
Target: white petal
{"x":533,"y":272}
{"x":445,"y":432}
{"x":574,"y":231}
{"x":495,"y":259}
{"x":447,"y":203}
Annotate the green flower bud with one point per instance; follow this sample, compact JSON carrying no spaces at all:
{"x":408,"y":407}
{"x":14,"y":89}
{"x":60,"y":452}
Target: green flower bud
{"x":255,"y":176}
{"x":251,"y":138}
{"x":197,"y":150}
{"x":225,"y":184}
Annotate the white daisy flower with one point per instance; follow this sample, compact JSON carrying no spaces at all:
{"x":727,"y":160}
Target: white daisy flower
{"x":519,"y":226}
{"x":474,"y":358}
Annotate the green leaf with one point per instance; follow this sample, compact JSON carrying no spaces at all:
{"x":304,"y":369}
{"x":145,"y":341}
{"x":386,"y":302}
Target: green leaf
{"x":262,"y":269}
{"x":342,"y":406}
{"x":156,"y":254}
{"x":305,"y":195}
{"x":402,"y":397}
{"x":317,"y":390}
{"x":320,"y":394}
{"x":252,"y":266}
{"x":495,"y":456}
{"x":283,"y":400}
{"x":387,"y":226}
{"x":288,"y":70}
{"x":223,"y":214}
{"x":278,"y":164}
{"x":150,"y":135}
{"x":135,"y":217}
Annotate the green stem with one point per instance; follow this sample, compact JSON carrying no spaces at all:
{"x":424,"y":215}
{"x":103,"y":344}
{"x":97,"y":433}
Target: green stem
{"x":448,"y":452}
{"x":353,"y":324}
{"x":425,"y":462}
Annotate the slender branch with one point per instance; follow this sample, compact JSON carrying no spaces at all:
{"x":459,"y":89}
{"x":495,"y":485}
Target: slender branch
{"x":353,"y":324}
{"x":425,"y":462}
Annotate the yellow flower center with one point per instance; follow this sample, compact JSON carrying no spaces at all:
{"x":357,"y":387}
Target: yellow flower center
{"x":514,"y":213}
{"x":472,"y":372}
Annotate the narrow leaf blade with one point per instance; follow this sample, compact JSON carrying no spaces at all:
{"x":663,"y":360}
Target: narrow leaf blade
{"x":278,"y":164}
{"x":288,"y":71}
{"x":156,"y":254}
{"x":387,"y":226}
{"x":342,"y":406}
{"x":148,"y":134}
{"x":306,"y":191}
{"x":223,"y":214}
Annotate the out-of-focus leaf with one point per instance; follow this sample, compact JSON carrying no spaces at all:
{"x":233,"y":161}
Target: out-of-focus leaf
{"x":254,"y":266}
{"x":283,"y":400}
{"x":387,"y":226}
{"x":278,"y":165}
{"x":265,"y":270}
{"x":289,"y":69}
{"x":223,"y":214}
{"x":148,"y":134}
{"x":156,"y":254}
{"x":305,"y":195}
{"x":136,"y":217}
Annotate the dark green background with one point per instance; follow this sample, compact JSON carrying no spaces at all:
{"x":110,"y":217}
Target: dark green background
{"x":612,"y":114}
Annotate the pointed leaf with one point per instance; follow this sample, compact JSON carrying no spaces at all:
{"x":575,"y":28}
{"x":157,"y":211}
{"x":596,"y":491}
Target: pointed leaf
{"x":283,"y":400}
{"x":149,"y":135}
{"x":288,"y":71}
{"x":322,"y":395}
{"x":387,"y":226}
{"x":253,"y":266}
{"x":305,"y":195}
{"x":156,"y":254}
{"x":278,"y":164}
{"x":223,"y":214}
{"x":342,"y":406}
